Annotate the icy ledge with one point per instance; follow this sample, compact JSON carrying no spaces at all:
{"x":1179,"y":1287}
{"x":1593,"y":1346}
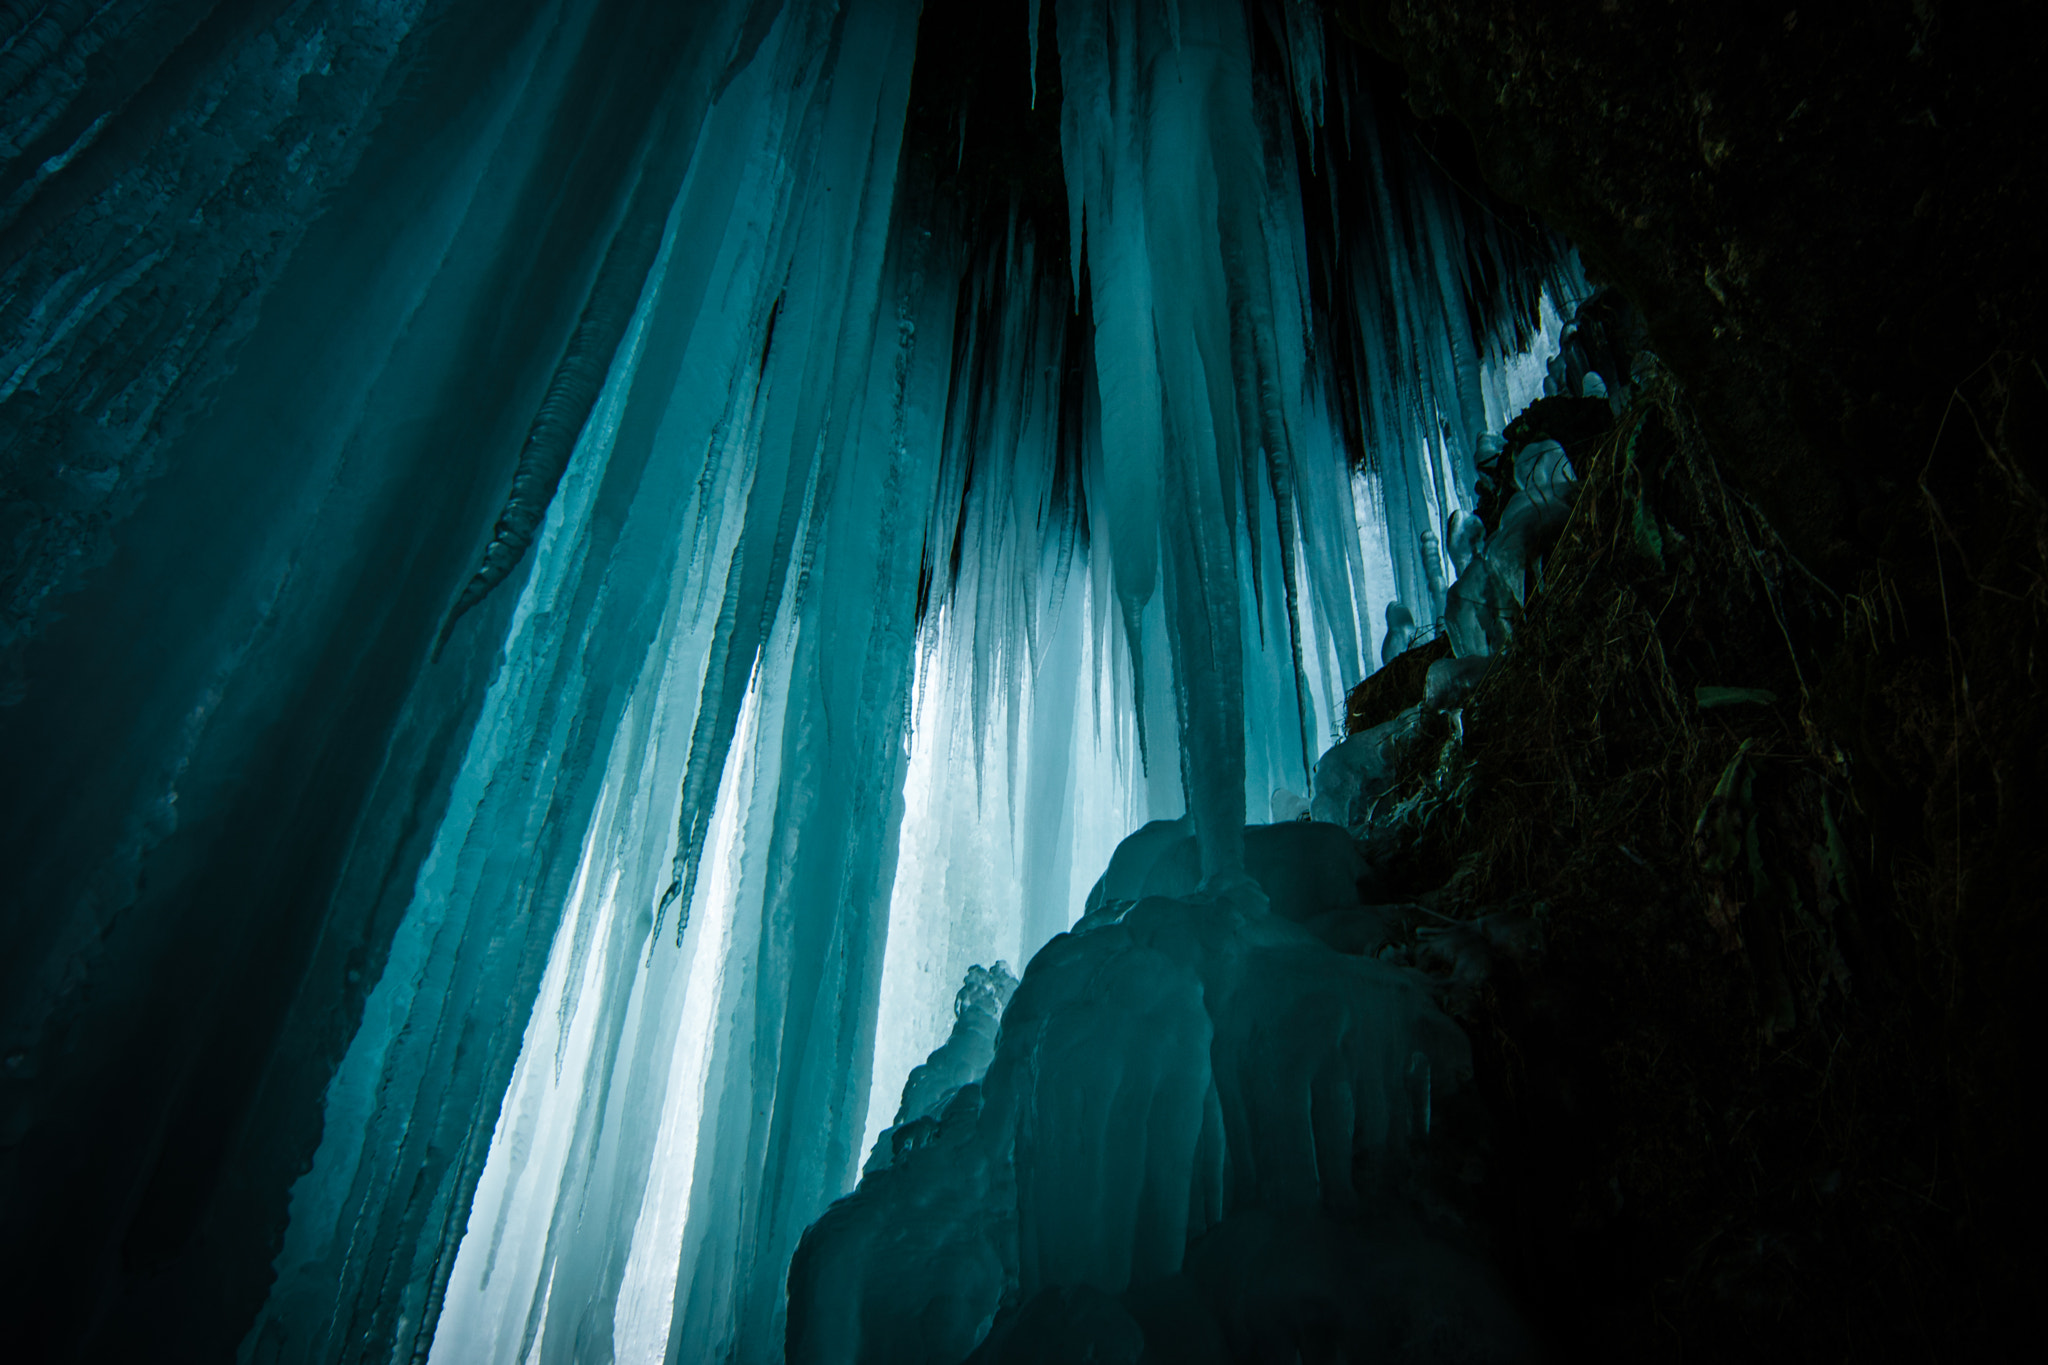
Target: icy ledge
{"x":1205,"y":1135}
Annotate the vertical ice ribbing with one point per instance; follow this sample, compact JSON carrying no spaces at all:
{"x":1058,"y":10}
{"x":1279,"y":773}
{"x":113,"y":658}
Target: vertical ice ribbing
{"x":1164,"y":176}
{"x":904,"y":567}
{"x":721,"y":457}
{"x":897,"y":553}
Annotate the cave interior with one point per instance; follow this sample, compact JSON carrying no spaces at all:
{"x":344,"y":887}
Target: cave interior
{"x":1121,"y":680}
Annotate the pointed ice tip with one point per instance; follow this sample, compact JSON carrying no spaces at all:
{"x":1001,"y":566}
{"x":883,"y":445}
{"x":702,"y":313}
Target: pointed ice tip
{"x":1032,"y":20}
{"x":668,"y":898}
{"x":441,"y":636}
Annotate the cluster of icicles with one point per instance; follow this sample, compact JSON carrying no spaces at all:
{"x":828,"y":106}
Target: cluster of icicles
{"x":872,"y":604}
{"x":1203,"y":1127}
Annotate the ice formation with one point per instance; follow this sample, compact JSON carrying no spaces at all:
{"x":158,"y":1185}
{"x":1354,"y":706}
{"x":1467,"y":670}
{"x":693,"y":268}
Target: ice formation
{"x":724,"y":588}
{"x":1198,"y":1138}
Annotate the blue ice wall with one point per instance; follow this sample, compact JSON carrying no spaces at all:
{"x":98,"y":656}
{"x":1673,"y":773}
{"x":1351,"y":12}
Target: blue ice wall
{"x":280,"y":302}
{"x":551,"y":565}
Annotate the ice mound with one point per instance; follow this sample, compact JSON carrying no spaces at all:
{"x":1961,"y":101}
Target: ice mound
{"x":1204,"y":1134}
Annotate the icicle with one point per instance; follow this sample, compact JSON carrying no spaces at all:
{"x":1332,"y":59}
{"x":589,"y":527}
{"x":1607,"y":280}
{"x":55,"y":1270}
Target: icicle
{"x":916,"y":572}
{"x":1031,"y":18}
{"x":1304,"y":27}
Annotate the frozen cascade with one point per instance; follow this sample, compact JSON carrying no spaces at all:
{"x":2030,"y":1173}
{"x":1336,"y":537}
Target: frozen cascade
{"x":915,"y":550}
{"x":934,"y":626}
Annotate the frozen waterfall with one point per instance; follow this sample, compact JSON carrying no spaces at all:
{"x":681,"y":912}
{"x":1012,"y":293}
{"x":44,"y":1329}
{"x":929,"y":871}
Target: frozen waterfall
{"x":876,"y":558}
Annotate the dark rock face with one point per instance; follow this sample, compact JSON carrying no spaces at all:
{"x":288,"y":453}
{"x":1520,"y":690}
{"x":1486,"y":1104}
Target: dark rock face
{"x":1395,"y":688}
{"x":1822,"y":217}
{"x":1828,"y":224}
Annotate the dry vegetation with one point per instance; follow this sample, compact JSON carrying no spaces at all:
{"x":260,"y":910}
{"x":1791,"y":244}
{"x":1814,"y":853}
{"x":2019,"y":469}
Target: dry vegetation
{"x":1782,"y":859}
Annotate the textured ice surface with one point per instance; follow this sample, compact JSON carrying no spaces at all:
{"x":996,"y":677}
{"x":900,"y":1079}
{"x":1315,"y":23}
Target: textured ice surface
{"x":957,"y":1062}
{"x":879,"y":583}
{"x":1202,"y":1135}
{"x":126,"y":285}
{"x":930,"y":639}
{"x":1357,"y":769}
{"x":1400,"y":633}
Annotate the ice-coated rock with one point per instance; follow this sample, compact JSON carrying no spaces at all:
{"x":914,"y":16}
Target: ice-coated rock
{"x":1400,"y":633}
{"x":1304,"y":867}
{"x":1353,"y":773}
{"x":1529,"y":525}
{"x":1199,"y":1130}
{"x":955,"y":1063}
{"x":1450,"y":681}
{"x":1541,"y":465}
{"x":1289,"y":805}
{"x":1466,"y":536}
{"x":1470,"y":615}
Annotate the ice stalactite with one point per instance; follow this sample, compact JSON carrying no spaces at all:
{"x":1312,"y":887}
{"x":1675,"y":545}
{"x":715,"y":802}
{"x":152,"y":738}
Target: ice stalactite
{"x":1437,"y":314}
{"x":683,"y":573}
{"x":973,"y":573}
{"x":876,"y":557}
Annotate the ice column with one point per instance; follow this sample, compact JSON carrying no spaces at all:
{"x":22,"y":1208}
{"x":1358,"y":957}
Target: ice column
{"x":898,"y":573}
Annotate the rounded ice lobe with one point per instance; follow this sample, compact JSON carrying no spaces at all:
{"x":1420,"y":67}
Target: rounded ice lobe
{"x":1202,"y":1129}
